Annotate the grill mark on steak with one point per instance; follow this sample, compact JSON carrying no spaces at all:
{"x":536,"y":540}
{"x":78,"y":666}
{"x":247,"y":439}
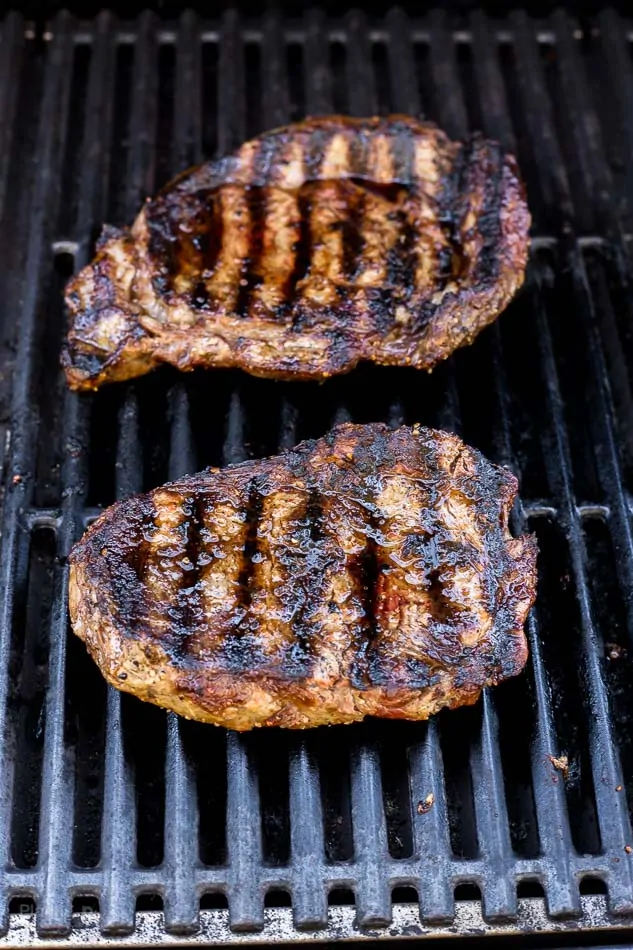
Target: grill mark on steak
{"x":209,"y":244}
{"x":441,"y":606}
{"x":302,"y":247}
{"x":250,"y":266}
{"x":353,"y":235}
{"x":240,"y":651}
{"x":401,"y":259}
{"x":314,"y":515}
{"x":489,"y":220}
{"x":213,"y":248}
{"x":365,"y":569}
{"x":138,"y":555}
{"x":175,"y":252}
{"x":190,"y":594}
{"x":300,"y":654}
{"x":195,"y":525}
{"x":200,"y":298}
{"x":257,"y":208}
{"x":449,"y":262}
{"x":254,"y":509}
{"x":129,"y":593}
{"x":162,"y":246}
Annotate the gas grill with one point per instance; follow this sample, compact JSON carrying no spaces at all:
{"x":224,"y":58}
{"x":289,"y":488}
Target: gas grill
{"x":119,"y":822}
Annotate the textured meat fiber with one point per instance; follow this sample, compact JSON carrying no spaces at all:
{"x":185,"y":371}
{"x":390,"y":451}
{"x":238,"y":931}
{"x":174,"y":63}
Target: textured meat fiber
{"x":370,"y":572}
{"x":313,"y":247}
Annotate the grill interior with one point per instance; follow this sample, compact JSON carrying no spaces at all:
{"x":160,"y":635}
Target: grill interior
{"x":110,"y":804}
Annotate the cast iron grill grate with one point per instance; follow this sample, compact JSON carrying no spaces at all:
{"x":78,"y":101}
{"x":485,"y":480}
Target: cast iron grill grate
{"x":104,"y":799}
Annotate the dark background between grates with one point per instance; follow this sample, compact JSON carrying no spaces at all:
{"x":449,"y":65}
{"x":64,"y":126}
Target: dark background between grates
{"x":102,"y":797}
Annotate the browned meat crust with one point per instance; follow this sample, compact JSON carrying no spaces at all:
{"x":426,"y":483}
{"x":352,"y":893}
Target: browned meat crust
{"x":367,"y":573}
{"x":313,"y":247}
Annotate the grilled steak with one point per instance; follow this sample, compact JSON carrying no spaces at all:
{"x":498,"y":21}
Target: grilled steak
{"x":367,"y":573}
{"x":313,"y":247}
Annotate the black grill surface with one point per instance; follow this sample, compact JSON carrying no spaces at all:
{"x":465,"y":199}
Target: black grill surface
{"x":111,"y":805}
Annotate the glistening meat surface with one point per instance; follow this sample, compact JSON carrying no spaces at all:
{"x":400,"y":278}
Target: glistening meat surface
{"x":313,"y":247}
{"x":370,"y":572}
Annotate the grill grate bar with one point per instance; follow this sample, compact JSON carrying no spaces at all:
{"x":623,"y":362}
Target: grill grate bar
{"x":118,"y":825}
{"x":615,"y":56}
{"x":446,"y":79}
{"x":549,"y":797}
{"x":490,"y":91}
{"x":275,"y":91}
{"x":12,"y":42}
{"x":243,"y":833}
{"x":373,"y":900}
{"x":181,"y":813}
{"x":141,"y":170}
{"x":53,"y":910}
{"x":368,"y":819}
{"x":12,"y":541}
{"x":49,"y":517}
{"x":211,"y":32}
{"x":231,"y":102}
{"x":181,"y":810}
{"x":306,"y":842}
{"x":233,"y":450}
{"x":317,"y":74}
{"x":493,"y":835}
{"x":451,"y":115}
{"x":432,"y":844}
{"x":187,"y":145}
{"x":97,"y":139}
{"x":243,"y":829}
{"x":119,"y":831}
{"x":213,"y":879}
{"x":536,"y":109}
{"x":498,"y":892}
{"x":118,"y":834}
{"x":584,"y":132}
{"x":361,"y":89}
{"x":181,"y":833}
{"x":307,"y":853}
{"x":552,"y":819}
{"x":403,"y":81}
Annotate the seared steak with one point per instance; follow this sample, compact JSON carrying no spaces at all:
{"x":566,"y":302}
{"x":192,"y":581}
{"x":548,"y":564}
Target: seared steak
{"x":370,"y":572}
{"x":312,"y":247}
